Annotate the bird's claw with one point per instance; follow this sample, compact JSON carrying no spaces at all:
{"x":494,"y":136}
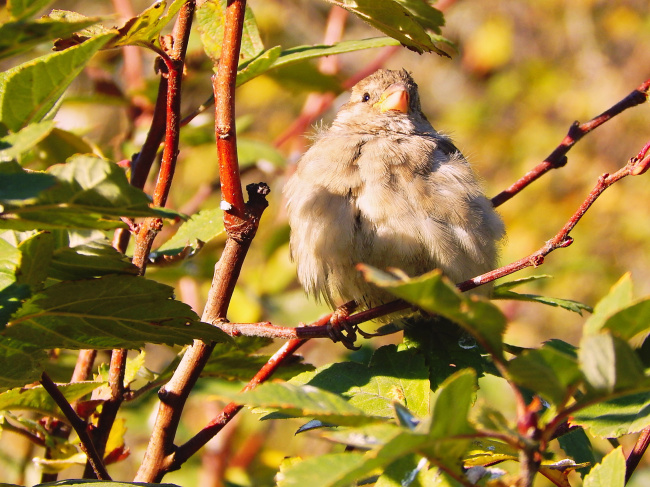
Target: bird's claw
{"x":340,"y":330}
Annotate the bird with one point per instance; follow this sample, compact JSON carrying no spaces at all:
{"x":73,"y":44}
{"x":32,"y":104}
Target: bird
{"x":380,"y":186}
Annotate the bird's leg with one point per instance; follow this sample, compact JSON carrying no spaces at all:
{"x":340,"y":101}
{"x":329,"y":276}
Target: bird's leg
{"x":339,"y":329}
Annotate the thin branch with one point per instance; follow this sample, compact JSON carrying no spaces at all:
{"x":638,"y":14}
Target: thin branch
{"x":185,"y":451}
{"x":174,"y":63}
{"x":557,"y":158}
{"x":79,"y":426}
{"x":637,"y":453}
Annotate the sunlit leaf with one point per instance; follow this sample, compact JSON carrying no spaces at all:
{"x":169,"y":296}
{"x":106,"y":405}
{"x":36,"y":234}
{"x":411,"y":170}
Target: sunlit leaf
{"x":609,"y":473}
{"x":89,"y":192}
{"x":13,"y":145}
{"x":401,"y":20}
{"x":392,"y":375}
{"x":619,"y":297}
{"x":37,"y":253}
{"x":20,"y":9}
{"x":30,"y":91}
{"x":616,"y":417}
{"x":305,"y":401}
{"x":502,"y":291}
{"x":144,"y":30}
{"x":116,"y":311}
{"x":210,"y":17}
{"x":201,"y":227}
{"x":37,"y":398}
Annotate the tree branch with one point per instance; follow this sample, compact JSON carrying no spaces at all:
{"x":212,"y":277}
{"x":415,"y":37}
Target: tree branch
{"x":557,"y":158}
{"x":79,"y":426}
{"x":636,"y":454}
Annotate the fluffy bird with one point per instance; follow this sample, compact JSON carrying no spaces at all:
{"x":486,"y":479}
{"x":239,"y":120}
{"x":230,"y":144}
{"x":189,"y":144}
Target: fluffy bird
{"x":381,"y":186}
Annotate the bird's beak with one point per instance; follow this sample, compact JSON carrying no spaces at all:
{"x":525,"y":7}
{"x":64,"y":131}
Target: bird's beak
{"x":395,"y":97}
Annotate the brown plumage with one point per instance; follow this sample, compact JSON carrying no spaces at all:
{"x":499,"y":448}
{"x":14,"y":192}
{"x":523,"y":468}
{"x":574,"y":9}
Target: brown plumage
{"x":382,"y":187}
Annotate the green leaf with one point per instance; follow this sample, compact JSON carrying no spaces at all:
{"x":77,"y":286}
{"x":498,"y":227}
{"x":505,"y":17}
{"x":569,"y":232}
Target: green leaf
{"x":200,"y":228}
{"x":21,"y":9}
{"x":89,"y":193}
{"x":210,"y":17}
{"x":447,"y":348}
{"x":547,"y":371}
{"x":20,"y":36}
{"x":451,"y":409}
{"x":616,"y":417}
{"x":238,"y":365}
{"x":609,"y":473}
{"x":502,"y":291}
{"x":116,"y":311}
{"x":61,"y":145}
{"x":403,"y":472}
{"x":436,"y":294}
{"x":297,"y":54}
{"x":11,"y":292}
{"x":401,"y":20}
{"x":305,"y":401}
{"x":29,"y":92}
{"x":13,"y":145}
{"x":258,"y":65}
{"x":392,"y":375}
{"x":20,"y":363}
{"x":37,"y":399}
{"x":144,"y":30}
{"x":36,"y":257}
{"x":630,"y":321}
{"x":576,"y":444}
{"x":609,"y":363}
{"x":250,"y":152}
{"x":618,"y":298}
{"x":333,"y":470}
{"x":94,"y":259}
{"x":275,"y":57}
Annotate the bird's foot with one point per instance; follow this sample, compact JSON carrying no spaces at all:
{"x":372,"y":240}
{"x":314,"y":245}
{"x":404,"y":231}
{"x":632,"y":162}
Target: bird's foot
{"x":340,"y":330}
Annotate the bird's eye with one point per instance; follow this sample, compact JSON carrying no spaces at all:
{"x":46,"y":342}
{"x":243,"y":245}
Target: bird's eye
{"x":365,"y":97}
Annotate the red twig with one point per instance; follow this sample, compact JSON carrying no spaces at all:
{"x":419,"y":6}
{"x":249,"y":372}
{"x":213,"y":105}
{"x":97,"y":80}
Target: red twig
{"x":79,"y":426}
{"x":637,"y":453}
{"x":188,"y":449}
{"x":557,"y":158}
{"x":223,"y":84}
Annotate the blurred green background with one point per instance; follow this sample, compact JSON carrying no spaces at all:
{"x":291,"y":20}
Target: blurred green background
{"x":523,"y":73}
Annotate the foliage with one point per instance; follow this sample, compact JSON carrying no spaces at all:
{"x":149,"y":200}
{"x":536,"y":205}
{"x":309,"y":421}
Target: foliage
{"x":413,"y":409}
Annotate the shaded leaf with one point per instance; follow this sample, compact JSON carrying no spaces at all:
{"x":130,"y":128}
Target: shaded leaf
{"x":616,"y":417}
{"x":94,"y":259}
{"x":546,"y":371}
{"x":451,"y":409}
{"x":333,"y":470}
{"x":305,"y":401}
{"x":404,"y":472}
{"x":36,"y":257}
{"x":250,"y":152}
{"x":30,"y":91}
{"x":576,"y":444}
{"x":20,"y":9}
{"x":89,"y":192}
{"x":258,"y":65}
{"x":609,"y":363}
{"x":13,"y":145}
{"x":116,"y":311}
{"x":608,"y":473}
{"x":11,"y":293}
{"x":20,"y":36}
{"x":447,"y":348}
{"x":238,"y":365}
{"x":37,"y":399}
{"x":434,"y":293}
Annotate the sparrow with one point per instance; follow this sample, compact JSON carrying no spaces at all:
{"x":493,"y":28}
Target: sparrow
{"x":382,"y":187}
